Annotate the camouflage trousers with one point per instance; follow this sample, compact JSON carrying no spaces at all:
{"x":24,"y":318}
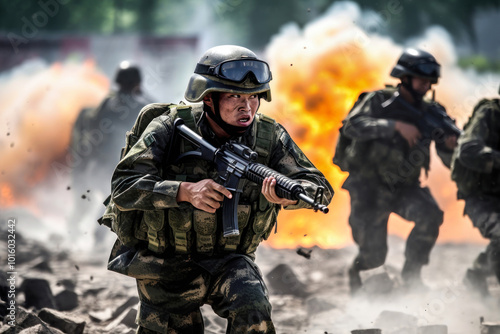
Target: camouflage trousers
{"x":371,"y":205}
{"x":235,"y":290}
{"x":484,"y":212}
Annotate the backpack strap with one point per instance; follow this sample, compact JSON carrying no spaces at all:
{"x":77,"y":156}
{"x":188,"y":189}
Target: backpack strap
{"x":186,"y":112}
{"x":264,"y":138}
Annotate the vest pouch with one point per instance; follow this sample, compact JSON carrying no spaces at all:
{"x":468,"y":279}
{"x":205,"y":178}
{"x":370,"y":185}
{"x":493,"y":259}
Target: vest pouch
{"x":123,"y":223}
{"x":386,"y":158}
{"x":141,"y":233}
{"x":205,"y":226}
{"x":231,"y":243}
{"x":263,"y":222}
{"x":155,"y":221}
{"x":181,"y":221}
{"x":273,"y":221}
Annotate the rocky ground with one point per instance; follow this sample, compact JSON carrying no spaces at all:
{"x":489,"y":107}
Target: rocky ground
{"x":74,"y":293}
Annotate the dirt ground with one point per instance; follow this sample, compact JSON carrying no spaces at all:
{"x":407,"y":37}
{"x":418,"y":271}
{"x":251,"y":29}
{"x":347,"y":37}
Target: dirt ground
{"x":310,"y":296}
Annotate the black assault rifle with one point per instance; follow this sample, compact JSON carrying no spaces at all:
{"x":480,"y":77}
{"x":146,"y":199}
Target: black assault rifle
{"x":234,"y":163}
{"x":434,"y":123}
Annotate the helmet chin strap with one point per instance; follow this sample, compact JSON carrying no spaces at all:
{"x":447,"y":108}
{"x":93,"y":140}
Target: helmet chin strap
{"x":409,"y":87}
{"x":231,"y":130}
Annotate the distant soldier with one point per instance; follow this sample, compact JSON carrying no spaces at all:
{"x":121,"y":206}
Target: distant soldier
{"x":97,"y":138}
{"x":384,"y":145}
{"x":476,"y":170}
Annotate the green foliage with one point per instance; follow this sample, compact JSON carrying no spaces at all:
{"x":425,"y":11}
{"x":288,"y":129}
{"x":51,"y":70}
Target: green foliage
{"x":408,"y":18}
{"x":251,"y":23}
{"x":479,"y":63}
{"x":103,"y":16}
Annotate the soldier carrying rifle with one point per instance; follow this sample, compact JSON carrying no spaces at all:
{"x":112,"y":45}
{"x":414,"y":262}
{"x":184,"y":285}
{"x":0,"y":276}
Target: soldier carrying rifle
{"x":384,"y":144}
{"x":180,"y":255}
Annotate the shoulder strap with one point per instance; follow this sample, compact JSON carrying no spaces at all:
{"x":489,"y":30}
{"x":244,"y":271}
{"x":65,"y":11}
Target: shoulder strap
{"x":264,"y":139}
{"x":191,"y":114}
{"x":185,"y":112}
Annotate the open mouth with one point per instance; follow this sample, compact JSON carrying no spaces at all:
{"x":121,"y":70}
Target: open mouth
{"x":244,"y":119}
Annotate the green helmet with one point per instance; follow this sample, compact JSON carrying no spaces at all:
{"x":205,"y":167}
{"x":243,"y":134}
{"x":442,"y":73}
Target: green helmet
{"x":229,"y":69}
{"x":417,"y":63}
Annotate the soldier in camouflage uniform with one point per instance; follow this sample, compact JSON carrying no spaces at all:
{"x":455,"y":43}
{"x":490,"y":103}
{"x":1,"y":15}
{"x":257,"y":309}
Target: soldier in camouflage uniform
{"x":97,"y":137}
{"x":185,"y":261}
{"x":384,"y":155}
{"x":476,"y":170}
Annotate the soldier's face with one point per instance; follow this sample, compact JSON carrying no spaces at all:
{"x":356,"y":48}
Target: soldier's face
{"x":421,"y":85}
{"x":238,"y":109}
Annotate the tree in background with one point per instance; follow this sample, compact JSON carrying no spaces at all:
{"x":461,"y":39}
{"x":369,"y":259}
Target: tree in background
{"x":250,"y":23}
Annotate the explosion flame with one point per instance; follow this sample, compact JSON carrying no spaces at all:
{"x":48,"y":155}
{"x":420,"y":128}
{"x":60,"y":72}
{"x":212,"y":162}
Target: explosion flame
{"x":318,"y":74}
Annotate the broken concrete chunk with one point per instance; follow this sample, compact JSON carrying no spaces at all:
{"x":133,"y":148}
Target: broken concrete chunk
{"x":66,"y":300}
{"x":283,"y":281}
{"x":433,"y":329}
{"x":41,"y":329}
{"x":127,"y":318}
{"x":24,"y":318}
{"x":490,"y":328}
{"x":132,"y":301}
{"x":397,"y":322}
{"x":37,"y":293}
{"x":66,"y":323}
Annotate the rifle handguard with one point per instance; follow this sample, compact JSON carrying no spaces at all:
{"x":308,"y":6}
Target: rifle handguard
{"x":285,"y":187}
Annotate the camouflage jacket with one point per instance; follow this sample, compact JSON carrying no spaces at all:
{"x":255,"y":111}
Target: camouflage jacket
{"x":378,"y":152}
{"x":476,"y":162}
{"x":146,"y":179}
{"x":99,"y":133}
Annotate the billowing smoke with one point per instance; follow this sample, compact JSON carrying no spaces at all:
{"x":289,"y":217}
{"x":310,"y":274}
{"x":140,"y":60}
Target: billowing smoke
{"x":39,"y":104}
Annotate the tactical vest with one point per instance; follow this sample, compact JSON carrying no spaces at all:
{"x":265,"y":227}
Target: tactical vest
{"x":187,"y":230}
{"x":471,"y":182}
{"x":388,"y":159}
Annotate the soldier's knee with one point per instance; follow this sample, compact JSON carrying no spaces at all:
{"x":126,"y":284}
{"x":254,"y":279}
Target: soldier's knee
{"x":494,"y":251}
{"x":256,"y":316}
{"x":156,"y":319}
{"x":372,"y":259}
{"x":430,"y":223}
{"x":151,"y":319}
{"x":377,"y":259}
{"x":436,"y":218}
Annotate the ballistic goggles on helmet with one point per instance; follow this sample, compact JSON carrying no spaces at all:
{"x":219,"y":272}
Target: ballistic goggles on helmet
{"x":237,"y":70}
{"x":427,"y":69}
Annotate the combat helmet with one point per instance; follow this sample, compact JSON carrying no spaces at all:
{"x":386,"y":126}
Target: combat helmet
{"x":127,"y":75}
{"x":229,"y":69}
{"x":418,"y":63}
